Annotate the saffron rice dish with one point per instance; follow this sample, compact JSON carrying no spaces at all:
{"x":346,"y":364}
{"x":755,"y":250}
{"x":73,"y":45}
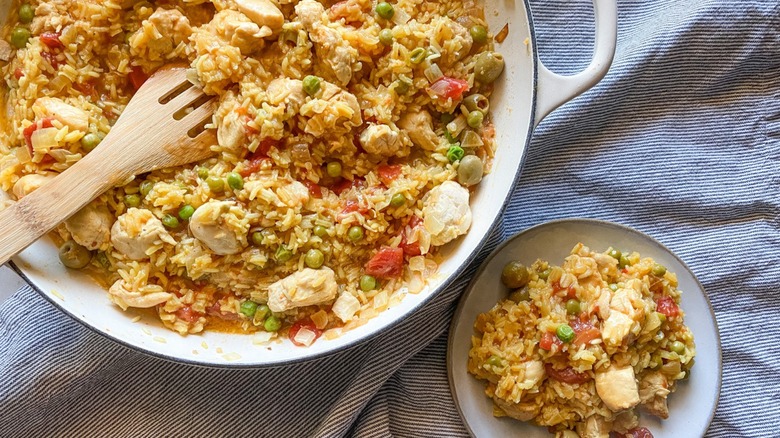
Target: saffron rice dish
{"x":350,"y":135}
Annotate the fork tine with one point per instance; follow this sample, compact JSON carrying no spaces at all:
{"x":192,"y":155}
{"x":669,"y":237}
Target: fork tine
{"x":185,"y":98}
{"x":203,"y":111}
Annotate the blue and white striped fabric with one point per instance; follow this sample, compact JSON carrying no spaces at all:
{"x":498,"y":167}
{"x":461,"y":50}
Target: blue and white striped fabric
{"x":681,"y":140}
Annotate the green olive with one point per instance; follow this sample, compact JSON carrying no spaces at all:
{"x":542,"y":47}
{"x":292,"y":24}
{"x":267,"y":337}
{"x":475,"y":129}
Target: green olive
{"x":20,"y":36}
{"x":470,"y":170}
{"x":488,"y":67}
{"x":520,"y":295}
{"x":477,"y":102}
{"x":74,"y":256}
{"x":514,"y":275}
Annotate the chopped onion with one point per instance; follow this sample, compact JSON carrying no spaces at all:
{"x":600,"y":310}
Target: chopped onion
{"x":400,"y":16}
{"x":433,"y":73}
{"x":346,"y":306}
{"x":44,"y":139}
{"x":305,"y":336}
{"x":471,"y":140}
{"x":320,"y":319}
{"x":417,"y":263}
{"x":381,"y":300}
{"x":456,"y":126}
{"x":192,"y":77}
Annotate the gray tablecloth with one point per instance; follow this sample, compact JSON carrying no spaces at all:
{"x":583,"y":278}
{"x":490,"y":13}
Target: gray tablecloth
{"x":681,"y":140}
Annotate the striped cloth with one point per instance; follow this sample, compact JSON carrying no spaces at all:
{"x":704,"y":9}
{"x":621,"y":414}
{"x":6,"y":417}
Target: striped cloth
{"x":681,"y":140}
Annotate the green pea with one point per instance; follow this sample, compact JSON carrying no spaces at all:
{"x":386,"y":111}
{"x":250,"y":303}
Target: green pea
{"x":386,"y":37}
{"x":257,"y":238}
{"x":616,"y":254}
{"x":311,"y":85}
{"x":478,"y":34}
{"x":659,"y":270}
{"x":146,"y":187}
{"x":678,"y":347}
{"x":367,"y":283}
{"x":475,"y":119}
{"x":565,"y":333}
{"x":545,"y":274}
{"x":355,"y":233}
{"x":470,"y":170}
{"x":272,"y":324}
{"x":73,"y":255}
{"x":445,"y":118}
{"x":573,"y":307}
{"x":514,"y":275}
{"x":132,"y":200}
{"x":203,"y":173}
{"x":613,"y":287}
{"x":488,"y":67}
{"x":494,"y":361}
{"x":455,"y":153}
{"x":248,"y":308}
{"x":216,"y":185}
{"x":283,"y":254}
{"x":262,"y":311}
{"x":418,"y":55}
{"x":477,"y":102}
{"x":186,"y":212}
{"x":320,"y":231}
{"x":26,"y":13}
{"x":90,"y":142}
{"x":170,"y":221}
{"x":385,"y":10}
{"x":520,"y":295}
{"x":314,"y":258}
{"x":398,"y":200}
{"x":402,"y":85}
{"x":235,"y":181}
{"x":333,"y":169}
{"x":20,"y":36}
{"x":623,"y":262}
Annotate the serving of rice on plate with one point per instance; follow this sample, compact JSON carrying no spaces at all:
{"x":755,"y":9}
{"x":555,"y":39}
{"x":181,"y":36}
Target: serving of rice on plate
{"x":350,"y":136}
{"x":578,"y":348}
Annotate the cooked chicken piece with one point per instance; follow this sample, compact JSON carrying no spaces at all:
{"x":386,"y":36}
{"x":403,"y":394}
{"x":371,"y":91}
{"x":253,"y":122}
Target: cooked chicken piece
{"x":616,"y":328}
{"x":28,"y":183}
{"x":518,"y":411}
{"x":380,"y":140}
{"x":334,"y":109}
{"x":230,"y":131}
{"x":624,"y":298}
{"x":138,"y":233}
{"x":617,"y":387}
{"x":334,"y":52}
{"x":263,"y":12}
{"x":653,"y":390}
{"x":458,"y":43}
{"x":91,"y":227}
{"x":159,"y":35}
{"x":346,"y":306}
{"x":294,"y":194}
{"x":287,"y":91}
{"x":567,"y":434}
{"x":446,"y":212}
{"x":233,"y":28}
{"x":602,"y":303}
{"x":594,"y":427}
{"x":5,"y":51}
{"x":419,"y":126}
{"x":75,"y":118}
{"x":534,"y":373}
{"x":303,"y":288}
{"x":150,"y":295}
{"x":214,"y":224}
{"x":172,"y":24}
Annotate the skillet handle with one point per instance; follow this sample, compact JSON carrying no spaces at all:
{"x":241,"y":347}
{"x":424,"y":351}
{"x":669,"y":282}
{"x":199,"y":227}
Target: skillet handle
{"x":554,"y":90}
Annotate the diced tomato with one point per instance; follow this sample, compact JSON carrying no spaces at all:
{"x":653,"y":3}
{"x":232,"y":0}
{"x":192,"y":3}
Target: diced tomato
{"x":187,"y":314}
{"x":86,"y":88}
{"x":387,"y":263}
{"x":216,"y":310}
{"x":548,"y":340}
{"x":52,"y":40}
{"x":566,"y":375}
{"x":667,"y":306}
{"x":410,"y":249}
{"x":137,"y":77}
{"x":353,"y":205}
{"x":346,"y":184}
{"x":298,"y":325}
{"x":51,"y":58}
{"x":388,"y":173}
{"x":639,"y":432}
{"x":28,"y":131}
{"x":449,"y":88}
{"x":18,"y":73}
{"x":315,"y":191}
{"x":257,"y":157}
{"x":585,"y":332}
{"x":414,"y":221}
{"x":265,"y":146}
{"x":571,"y":292}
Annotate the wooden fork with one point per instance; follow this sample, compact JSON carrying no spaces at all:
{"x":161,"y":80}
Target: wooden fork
{"x":162,"y":126}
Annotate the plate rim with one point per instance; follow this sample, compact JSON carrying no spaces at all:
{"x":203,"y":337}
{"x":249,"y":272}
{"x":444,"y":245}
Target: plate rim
{"x":469,"y":288}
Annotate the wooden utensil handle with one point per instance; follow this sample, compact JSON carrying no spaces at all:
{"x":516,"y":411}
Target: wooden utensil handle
{"x":41,"y":211}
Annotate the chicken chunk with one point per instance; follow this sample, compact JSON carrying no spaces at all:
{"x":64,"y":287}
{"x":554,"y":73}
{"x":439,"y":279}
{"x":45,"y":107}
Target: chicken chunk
{"x":346,"y":306}
{"x":309,"y":12}
{"x":263,"y":12}
{"x":518,"y":411}
{"x":335,"y":55}
{"x":138,"y":233}
{"x":232,"y":28}
{"x":148,"y":296}
{"x":380,"y":140}
{"x":534,"y":373}
{"x":160,"y":34}
{"x":90,"y":227}
{"x":617,"y":387}
{"x":419,"y":126}
{"x":616,"y":328}
{"x":287,"y":91}
{"x":594,"y":427}
{"x":303,"y":288}
{"x":5,"y":51}
{"x":333,"y":110}
{"x":75,"y":118}
{"x":29,"y":183}
{"x":653,"y":391}
{"x":215,"y":224}
{"x":446,"y":212}
{"x":458,"y":41}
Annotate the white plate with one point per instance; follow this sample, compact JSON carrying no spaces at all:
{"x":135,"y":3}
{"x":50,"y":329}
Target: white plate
{"x":691,"y":407}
